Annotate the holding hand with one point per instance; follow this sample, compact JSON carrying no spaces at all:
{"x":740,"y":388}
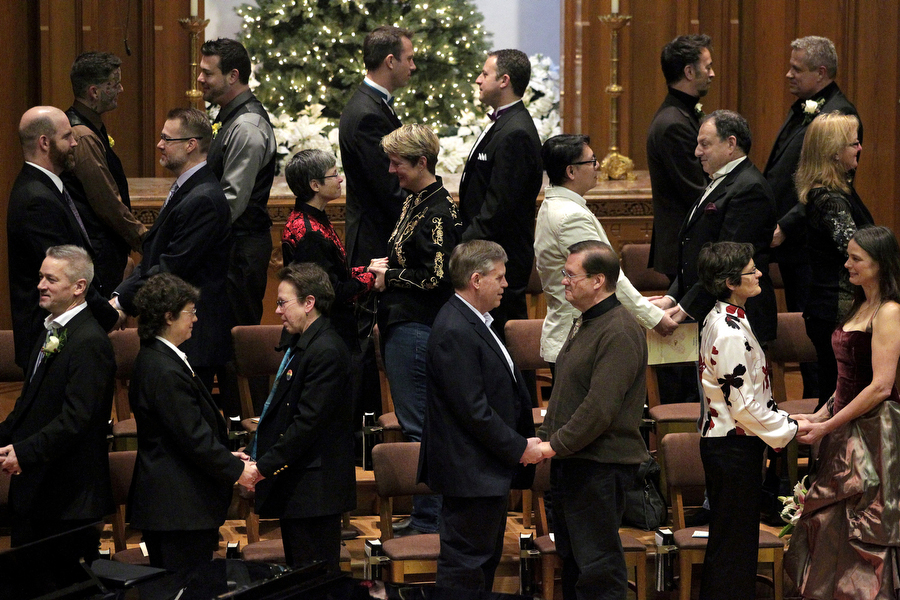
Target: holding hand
{"x":250,"y":476}
{"x":546,"y":450}
{"x":10,"y":463}
{"x":532,"y":452}
{"x":666,"y":326}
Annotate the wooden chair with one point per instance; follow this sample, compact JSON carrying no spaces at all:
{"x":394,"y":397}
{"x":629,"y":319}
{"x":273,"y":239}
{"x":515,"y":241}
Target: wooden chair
{"x":791,"y":347}
{"x":126,"y":346}
{"x":635,"y":258}
{"x":687,"y":481}
{"x":635,"y":551}
{"x":534,"y":292}
{"x":254,"y":356}
{"x":272,"y":551}
{"x":395,"y":466}
{"x":121,"y":470}
{"x":523,"y":340}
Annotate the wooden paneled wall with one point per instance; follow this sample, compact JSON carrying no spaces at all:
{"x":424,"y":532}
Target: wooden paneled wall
{"x":40,"y":41}
{"x":751,"y":48}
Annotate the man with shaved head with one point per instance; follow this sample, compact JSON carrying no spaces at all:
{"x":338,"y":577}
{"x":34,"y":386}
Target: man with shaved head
{"x":41,"y":214}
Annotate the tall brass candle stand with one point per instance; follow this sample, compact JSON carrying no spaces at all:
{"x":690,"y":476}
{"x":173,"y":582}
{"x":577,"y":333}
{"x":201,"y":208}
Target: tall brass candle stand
{"x":194,"y":25}
{"x":615,"y":165}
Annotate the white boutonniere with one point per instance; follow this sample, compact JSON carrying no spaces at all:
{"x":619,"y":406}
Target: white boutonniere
{"x":216,"y":127}
{"x":698,"y":108}
{"x":54,"y":344}
{"x":811,"y":108}
{"x":112,"y":142}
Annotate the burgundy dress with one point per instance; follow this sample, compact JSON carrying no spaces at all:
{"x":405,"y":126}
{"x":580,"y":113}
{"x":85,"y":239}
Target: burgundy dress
{"x":846,"y":543}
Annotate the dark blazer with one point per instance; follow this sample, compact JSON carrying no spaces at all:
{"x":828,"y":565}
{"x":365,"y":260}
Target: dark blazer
{"x":184,"y":472}
{"x":477,"y":416}
{"x":676,"y":176}
{"x":305,"y":440}
{"x":38,"y":218}
{"x":59,"y":425}
{"x":374,"y":196}
{"x":739,"y":209}
{"x":782,"y":165}
{"x":191,"y":238}
{"x":499,"y":189}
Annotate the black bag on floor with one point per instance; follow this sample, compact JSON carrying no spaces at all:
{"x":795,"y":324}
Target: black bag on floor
{"x":644,"y":505}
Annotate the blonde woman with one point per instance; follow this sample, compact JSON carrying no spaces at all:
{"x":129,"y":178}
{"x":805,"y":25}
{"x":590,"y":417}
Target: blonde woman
{"x":833,"y":214}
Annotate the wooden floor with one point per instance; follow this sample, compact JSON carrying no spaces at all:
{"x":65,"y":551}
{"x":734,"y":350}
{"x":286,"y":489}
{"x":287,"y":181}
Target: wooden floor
{"x":507,"y":579}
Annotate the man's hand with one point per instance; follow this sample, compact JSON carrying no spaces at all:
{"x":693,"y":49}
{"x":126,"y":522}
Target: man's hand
{"x":250,"y":476}
{"x":120,"y":323}
{"x":677,"y":314}
{"x":666,"y":326}
{"x":664,"y":302}
{"x":546,"y":450}
{"x":10,"y":463}
{"x":778,"y":237}
{"x":532,"y":452}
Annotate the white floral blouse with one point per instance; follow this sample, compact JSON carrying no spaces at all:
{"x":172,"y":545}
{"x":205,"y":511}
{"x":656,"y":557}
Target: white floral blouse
{"x":735,"y":378}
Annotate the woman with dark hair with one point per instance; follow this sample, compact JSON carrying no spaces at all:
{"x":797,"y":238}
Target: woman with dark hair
{"x":845,"y":544}
{"x":833,"y":214}
{"x":184,"y":473}
{"x":308,"y":236}
{"x":414,"y":281}
{"x":739,"y":419}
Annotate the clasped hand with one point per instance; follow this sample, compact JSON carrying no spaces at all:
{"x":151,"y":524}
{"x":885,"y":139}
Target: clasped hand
{"x":8,"y":461}
{"x":251,"y":475}
{"x":536,"y":451}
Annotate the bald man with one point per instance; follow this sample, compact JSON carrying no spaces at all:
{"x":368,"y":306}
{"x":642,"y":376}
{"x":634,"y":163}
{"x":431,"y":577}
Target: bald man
{"x":41,"y":214}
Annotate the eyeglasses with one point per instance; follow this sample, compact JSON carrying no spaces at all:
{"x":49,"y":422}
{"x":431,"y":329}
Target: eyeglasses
{"x":856,"y":144}
{"x":571,"y":277}
{"x":753,"y":272}
{"x":193,"y":311}
{"x":167,"y":140}
{"x":337,"y":173}
{"x":593,"y":162}
{"x":283,"y":303}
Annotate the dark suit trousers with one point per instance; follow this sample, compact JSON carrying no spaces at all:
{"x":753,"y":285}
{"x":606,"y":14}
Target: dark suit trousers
{"x":247,"y":276}
{"x":180,"y":551}
{"x":733,"y":468}
{"x":588,"y":503}
{"x":819,"y":332}
{"x":309,"y":540}
{"x":471,"y":532}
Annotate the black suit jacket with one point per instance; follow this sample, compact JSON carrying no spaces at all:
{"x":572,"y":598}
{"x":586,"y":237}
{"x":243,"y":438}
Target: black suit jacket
{"x":676,"y":176}
{"x":305,"y":440}
{"x":782,"y":165}
{"x":59,"y":424}
{"x":477,"y":416}
{"x":499,"y":189}
{"x":739,"y":209}
{"x":38,"y":218}
{"x":184,"y":472}
{"x":191,"y":238}
{"x":374,"y":196}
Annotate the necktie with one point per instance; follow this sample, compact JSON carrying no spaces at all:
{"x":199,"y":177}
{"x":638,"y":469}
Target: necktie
{"x":172,"y":191}
{"x":251,"y":447}
{"x":40,"y":357}
{"x":74,"y":209}
{"x":576,"y":327}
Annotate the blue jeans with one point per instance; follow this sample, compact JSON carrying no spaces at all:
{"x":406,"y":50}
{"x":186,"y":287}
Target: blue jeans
{"x":405,"y":346}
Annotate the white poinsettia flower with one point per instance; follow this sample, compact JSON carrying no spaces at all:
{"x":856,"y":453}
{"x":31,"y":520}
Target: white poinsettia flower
{"x":810,"y":107}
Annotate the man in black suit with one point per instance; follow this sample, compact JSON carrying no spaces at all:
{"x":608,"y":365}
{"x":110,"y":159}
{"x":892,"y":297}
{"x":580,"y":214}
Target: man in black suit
{"x":41,"y":214}
{"x":305,"y":438}
{"x":813,"y":67}
{"x":502,"y":177}
{"x":737,"y":206}
{"x":191,"y":238}
{"x":374,"y":196}
{"x":54,"y":441}
{"x":477,"y":420}
{"x":676,"y":176}
{"x":97,"y":182}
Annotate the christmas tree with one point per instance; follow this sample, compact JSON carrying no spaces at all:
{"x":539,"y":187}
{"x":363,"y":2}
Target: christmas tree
{"x":310,"y":52}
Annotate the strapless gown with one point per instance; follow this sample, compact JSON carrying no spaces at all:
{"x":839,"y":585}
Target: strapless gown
{"x":846,"y":544}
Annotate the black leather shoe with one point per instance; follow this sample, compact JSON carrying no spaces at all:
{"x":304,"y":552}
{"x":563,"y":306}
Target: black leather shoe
{"x":401,"y":524}
{"x":407,"y":532}
{"x":701,"y":517}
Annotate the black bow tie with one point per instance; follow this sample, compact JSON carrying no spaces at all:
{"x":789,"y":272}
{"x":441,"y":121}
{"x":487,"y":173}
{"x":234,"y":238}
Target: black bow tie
{"x":497,"y":114}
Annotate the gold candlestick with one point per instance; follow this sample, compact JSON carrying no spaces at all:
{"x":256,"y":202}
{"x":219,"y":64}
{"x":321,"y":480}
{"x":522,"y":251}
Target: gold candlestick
{"x":194,"y":25}
{"x":615,"y":165}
